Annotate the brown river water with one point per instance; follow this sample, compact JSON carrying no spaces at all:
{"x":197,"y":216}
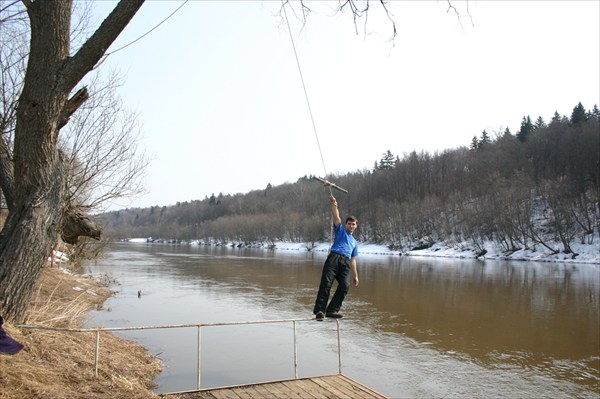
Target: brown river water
{"x":414,"y":328}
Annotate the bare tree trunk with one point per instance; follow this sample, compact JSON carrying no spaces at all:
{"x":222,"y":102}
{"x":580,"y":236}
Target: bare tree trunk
{"x":25,"y":243}
{"x":39,"y":199}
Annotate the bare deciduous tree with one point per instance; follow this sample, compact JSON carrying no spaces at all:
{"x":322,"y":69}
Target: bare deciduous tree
{"x":37,"y":187}
{"x":102,"y":158}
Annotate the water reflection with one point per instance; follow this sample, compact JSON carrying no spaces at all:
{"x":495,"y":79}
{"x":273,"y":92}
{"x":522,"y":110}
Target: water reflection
{"x":409,"y":320}
{"x":478,"y":308}
{"x":527,"y":314}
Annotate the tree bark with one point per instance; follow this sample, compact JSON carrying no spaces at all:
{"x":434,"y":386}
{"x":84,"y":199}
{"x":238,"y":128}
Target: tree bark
{"x":77,"y":224}
{"x":39,"y":203}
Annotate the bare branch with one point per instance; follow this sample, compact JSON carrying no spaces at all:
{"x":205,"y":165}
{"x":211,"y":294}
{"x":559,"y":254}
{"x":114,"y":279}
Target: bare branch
{"x":72,"y":105}
{"x":302,"y":16}
{"x":95,"y":47}
{"x":390,"y":17}
{"x":101,"y":148}
{"x":17,"y":14}
{"x":458,"y":15}
{"x":360,"y":12}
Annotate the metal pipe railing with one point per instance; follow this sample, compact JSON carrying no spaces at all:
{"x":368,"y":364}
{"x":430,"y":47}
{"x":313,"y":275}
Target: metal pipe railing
{"x":198,"y":367}
{"x":199,"y":326}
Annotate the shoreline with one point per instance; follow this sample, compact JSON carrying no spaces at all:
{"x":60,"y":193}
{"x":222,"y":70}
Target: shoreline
{"x":60,"y":365}
{"x":584,"y":253}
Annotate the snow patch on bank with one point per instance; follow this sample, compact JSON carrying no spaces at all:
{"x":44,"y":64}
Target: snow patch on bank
{"x":586,"y":253}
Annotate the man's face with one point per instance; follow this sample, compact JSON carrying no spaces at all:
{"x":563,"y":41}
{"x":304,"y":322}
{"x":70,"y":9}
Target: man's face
{"x":351,"y":225}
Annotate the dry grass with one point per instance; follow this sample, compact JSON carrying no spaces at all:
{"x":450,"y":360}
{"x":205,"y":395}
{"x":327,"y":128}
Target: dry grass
{"x":60,"y":365}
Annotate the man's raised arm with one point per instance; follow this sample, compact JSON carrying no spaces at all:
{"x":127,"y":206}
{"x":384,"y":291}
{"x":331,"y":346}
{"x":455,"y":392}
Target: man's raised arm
{"x":335,"y":212}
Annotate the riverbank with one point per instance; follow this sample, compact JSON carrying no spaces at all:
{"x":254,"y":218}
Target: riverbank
{"x":582,"y":253}
{"x":60,"y":365}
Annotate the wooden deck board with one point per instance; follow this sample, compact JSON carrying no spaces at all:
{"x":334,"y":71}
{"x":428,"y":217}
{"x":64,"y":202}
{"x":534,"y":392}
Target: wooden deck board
{"x":354,"y":389}
{"x":309,"y":389}
{"x":243,"y":392}
{"x":326,"y":387}
{"x":288,"y":392}
{"x":333,"y":390}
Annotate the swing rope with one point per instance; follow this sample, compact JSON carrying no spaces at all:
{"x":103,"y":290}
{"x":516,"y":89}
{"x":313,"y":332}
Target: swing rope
{"x":312,"y":119}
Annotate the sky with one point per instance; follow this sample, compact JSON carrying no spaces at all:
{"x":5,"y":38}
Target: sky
{"x":220,"y":99}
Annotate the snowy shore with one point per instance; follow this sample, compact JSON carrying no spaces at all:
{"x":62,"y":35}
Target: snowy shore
{"x":585,"y":253}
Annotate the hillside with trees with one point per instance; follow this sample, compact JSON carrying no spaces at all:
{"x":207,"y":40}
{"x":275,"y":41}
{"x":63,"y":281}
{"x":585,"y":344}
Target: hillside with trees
{"x":539,"y":187}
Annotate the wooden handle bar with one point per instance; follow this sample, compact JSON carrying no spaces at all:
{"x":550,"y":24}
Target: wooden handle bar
{"x":330,"y":184}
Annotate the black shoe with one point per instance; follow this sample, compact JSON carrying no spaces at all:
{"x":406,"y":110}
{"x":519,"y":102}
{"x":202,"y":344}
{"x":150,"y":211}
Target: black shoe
{"x":320,"y":316}
{"x":334,"y":315}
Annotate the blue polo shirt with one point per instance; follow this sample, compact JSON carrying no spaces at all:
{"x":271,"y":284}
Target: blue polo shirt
{"x":344,"y":243}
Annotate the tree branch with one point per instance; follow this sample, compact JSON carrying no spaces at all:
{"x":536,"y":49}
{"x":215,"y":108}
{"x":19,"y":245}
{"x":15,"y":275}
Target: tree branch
{"x":95,"y":47}
{"x":75,"y":224}
{"x":72,"y":105}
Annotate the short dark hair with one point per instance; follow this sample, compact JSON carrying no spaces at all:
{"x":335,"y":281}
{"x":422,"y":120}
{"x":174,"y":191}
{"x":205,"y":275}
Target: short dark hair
{"x":351,"y":219}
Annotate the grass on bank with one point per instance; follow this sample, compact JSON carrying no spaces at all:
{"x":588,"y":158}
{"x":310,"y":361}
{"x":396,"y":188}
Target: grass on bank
{"x":60,"y":365}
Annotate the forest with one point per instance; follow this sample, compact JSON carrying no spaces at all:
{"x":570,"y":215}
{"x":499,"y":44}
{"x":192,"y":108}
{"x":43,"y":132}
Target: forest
{"x":539,"y":187}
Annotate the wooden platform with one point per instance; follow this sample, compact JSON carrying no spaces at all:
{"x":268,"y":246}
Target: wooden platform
{"x":327,"y":387}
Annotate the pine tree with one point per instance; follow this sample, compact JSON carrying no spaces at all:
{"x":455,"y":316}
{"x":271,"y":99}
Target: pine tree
{"x":387,"y":160}
{"x":526,"y":129}
{"x":474,"y":143}
{"x":578,"y":115}
{"x":539,"y":123}
{"x":557,"y":118}
{"x":485,"y":139}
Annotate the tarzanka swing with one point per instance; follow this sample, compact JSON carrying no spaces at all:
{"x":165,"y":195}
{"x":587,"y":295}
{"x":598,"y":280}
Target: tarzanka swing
{"x":327,"y":183}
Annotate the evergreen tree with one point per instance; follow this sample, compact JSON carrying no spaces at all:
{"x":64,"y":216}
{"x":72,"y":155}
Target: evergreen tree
{"x":485,"y":139}
{"x":474,"y":143}
{"x":387,"y":160}
{"x":539,"y":123}
{"x":557,"y":118}
{"x":526,"y":129}
{"x":578,"y":115}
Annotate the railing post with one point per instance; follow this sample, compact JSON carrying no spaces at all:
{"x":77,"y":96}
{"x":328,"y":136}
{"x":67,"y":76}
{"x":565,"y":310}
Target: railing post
{"x":339,"y":339}
{"x":97,"y":354}
{"x":199,"y":351}
{"x":295,"y":353}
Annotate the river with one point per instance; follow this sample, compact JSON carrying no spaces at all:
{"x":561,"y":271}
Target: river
{"x":414,"y":328}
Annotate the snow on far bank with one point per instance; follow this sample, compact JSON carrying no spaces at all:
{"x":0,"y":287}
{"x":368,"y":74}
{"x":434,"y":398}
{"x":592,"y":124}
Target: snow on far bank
{"x":586,"y":253}
{"x":138,"y":240}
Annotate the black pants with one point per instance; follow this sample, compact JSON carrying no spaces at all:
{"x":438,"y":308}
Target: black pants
{"x":336,"y":267}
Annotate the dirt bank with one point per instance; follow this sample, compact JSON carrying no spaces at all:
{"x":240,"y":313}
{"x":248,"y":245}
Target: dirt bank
{"x":59,"y":365}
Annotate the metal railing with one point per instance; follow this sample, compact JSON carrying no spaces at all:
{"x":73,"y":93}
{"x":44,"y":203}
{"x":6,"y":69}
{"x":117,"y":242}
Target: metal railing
{"x":199,"y":326}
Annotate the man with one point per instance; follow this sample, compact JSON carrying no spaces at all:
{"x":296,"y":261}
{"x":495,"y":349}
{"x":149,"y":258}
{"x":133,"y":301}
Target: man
{"x":340,"y":262}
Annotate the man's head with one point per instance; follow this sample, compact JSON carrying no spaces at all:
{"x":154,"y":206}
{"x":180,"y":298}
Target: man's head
{"x":351,"y":224}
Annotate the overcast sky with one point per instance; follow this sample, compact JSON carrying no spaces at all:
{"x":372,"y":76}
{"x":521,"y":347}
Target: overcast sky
{"x":222,"y":107}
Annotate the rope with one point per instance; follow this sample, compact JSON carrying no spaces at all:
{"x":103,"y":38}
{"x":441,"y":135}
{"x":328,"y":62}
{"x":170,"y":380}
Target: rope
{"x":312,"y":119}
{"x":142,"y":36}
